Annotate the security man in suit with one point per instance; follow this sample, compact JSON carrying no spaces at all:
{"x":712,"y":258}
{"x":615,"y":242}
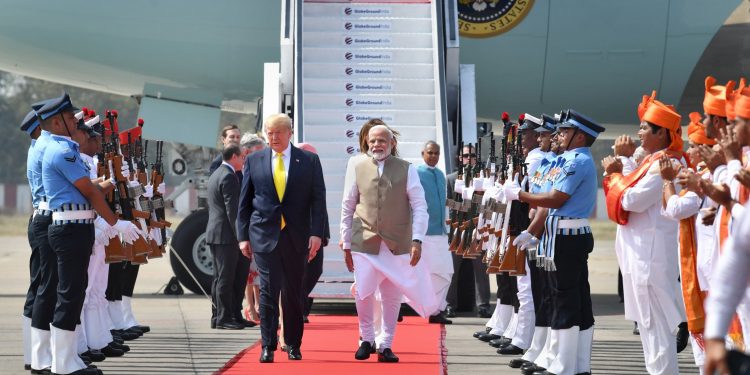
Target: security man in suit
{"x":281,"y":224}
{"x":568,"y":242}
{"x":230,"y":267}
{"x":72,"y":198}
{"x":230,"y":135}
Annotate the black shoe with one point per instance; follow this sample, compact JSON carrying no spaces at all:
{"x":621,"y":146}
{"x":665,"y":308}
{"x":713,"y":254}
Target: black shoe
{"x":365,"y":349}
{"x":488,"y":337}
{"x":517,"y":362}
{"x":305,"y":319}
{"x":400,"y":317}
{"x":122,"y":347}
{"x":294,"y":353}
{"x":682,"y":337}
{"x":134,"y":330}
{"x":230,"y":325}
{"x":86,"y":360}
{"x":117,"y":339}
{"x":544,"y":373}
{"x":246,"y":323}
{"x":636,"y":331}
{"x":27,"y":367}
{"x":499,"y":343}
{"x":439,"y":319}
{"x":510,"y":349}
{"x":483,"y":311}
{"x":531,"y":369}
{"x":124,"y":335}
{"x":144,"y":329}
{"x":110,"y":351}
{"x":478,"y":333}
{"x":45,"y":371}
{"x":583,"y":373}
{"x":387,"y":356}
{"x":87,"y":371}
{"x":95,"y":355}
{"x":266,"y":355}
{"x":450,"y":312}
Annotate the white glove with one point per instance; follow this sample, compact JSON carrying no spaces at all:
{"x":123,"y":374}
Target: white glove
{"x":100,"y":223}
{"x":156,"y":235}
{"x":149,"y":191}
{"x":127,"y":230}
{"x":478,"y":184}
{"x":525,"y":240}
{"x":458,"y":187}
{"x":162,"y":188}
{"x":512,"y":189}
{"x":100,"y":236}
{"x":125,"y":171}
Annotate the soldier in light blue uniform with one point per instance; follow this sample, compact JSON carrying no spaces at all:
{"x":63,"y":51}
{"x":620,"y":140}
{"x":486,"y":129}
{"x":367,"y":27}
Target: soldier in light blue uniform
{"x":568,"y":242}
{"x":30,"y":125}
{"x":71,"y":196}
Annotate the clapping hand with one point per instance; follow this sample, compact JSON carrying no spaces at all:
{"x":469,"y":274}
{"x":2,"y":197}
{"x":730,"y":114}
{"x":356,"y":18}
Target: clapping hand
{"x":729,"y":143}
{"x":689,"y":180}
{"x":624,"y":146}
{"x":611,"y":165}
{"x":712,"y":158}
{"x":668,"y":173}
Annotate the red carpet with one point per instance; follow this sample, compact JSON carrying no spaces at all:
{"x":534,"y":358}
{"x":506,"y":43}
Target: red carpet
{"x":329,"y":344}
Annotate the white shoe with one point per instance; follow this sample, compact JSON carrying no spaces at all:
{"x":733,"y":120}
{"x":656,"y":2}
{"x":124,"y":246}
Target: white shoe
{"x":567,"y":351}
{"x":41,"y":350}
{"x":65,"y":357}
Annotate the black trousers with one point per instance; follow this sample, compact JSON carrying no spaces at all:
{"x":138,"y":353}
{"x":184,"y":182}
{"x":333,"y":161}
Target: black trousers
{"x":46,"y":293}
{"x":227,"y":288}
{"x":571,"y":293}
{"x":481,"y":281}
{"x":72,"y":244}
{"x":114,"y":282}
{"x":507,"y":290}
{"x":542,"y":295}
{"x":129,"y":275}
{"x":35,"y":276}
{"x":313,"y":270}
{"x":281,"y":271}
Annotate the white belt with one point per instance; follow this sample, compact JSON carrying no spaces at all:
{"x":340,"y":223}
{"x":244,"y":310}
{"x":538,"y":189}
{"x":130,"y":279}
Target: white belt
{"x":73,"y":215}
{"x":572,"y":223}
{"x":43,"y":205}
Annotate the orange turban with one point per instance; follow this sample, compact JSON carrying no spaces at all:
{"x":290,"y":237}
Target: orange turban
{"x":666,"y":117}
{"x":714,"y":102}
{"x":644,"y":104}
{"x":742,"y":104}
{"x":732,"y":95}
{"x":697,"y":132}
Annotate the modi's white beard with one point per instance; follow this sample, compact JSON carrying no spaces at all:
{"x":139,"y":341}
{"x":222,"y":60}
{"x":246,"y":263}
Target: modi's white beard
{"x":380,"y":155}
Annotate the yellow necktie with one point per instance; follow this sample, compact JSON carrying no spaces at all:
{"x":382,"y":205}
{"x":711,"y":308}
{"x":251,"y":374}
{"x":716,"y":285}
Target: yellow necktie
{"x":279,"y":179}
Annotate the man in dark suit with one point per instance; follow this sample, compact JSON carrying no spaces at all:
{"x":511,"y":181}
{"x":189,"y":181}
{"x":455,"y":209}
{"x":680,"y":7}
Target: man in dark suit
{"x":281,"y":223}
{"x":221,"y":235}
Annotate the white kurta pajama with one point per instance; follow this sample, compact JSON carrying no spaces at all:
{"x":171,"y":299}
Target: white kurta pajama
{"x":647,"y":249}
{"x":391,"y":274}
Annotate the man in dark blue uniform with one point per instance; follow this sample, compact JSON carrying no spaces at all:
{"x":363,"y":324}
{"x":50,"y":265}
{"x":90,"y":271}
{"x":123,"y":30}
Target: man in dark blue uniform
{"x":72,"y":198}
{"x":568,"y":243}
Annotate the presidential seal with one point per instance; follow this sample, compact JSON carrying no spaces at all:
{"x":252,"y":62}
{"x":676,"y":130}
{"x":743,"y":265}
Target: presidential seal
{"x":486,"y":18}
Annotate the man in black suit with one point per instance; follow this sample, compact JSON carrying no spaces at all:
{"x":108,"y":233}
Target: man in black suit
{"x":230,"y":135}
{"x":281,"y":223}
{"x":221,"y":235}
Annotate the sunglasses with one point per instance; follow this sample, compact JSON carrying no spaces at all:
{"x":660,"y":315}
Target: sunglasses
{"x":469,"y":155}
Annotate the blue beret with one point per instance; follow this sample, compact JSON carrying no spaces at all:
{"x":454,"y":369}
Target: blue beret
{"x":56,"y":105}
{"x":583,"y":123}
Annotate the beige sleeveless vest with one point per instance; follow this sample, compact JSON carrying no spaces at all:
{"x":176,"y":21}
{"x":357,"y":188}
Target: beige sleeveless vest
{"x":383,"y":212}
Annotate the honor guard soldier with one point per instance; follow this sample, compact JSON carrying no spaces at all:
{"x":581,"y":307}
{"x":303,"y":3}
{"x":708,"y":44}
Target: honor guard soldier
{"x":571,"y":201}
{"x":30,"y":125}
{"x":72,"y":198}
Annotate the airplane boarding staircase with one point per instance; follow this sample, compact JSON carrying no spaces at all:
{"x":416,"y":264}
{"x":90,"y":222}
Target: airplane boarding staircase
{"x":358,"y":60}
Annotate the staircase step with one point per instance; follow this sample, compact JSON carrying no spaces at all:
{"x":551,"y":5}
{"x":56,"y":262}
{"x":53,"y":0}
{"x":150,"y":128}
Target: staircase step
{"x":349,"y":24}
{"x":355,"y":70}
{"x":355,"y":119}
{"x":349,"y":11}
{"x":371,"y":101}
{"x":371,"y":86}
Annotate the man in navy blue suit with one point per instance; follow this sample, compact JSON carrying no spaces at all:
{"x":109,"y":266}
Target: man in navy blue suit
{"x":280,"y":224}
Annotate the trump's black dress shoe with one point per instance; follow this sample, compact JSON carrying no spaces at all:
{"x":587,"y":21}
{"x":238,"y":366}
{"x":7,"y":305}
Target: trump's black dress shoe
{"x":480,"y":333}
{"x":365,"y":349}
{"x":517,"y":362}
{"x":294,"y":353}
{"x":510,"y":349}
{"x":387,"y":356}
{"x":499,"y":343}
{"x":230,"y":325}
{"x":266,"y":355}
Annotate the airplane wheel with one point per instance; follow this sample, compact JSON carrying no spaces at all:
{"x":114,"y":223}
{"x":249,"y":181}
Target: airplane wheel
{"x":189,"y":241}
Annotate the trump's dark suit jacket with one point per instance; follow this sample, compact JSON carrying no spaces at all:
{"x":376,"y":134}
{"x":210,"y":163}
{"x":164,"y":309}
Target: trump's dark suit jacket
{"x":303,"y":204}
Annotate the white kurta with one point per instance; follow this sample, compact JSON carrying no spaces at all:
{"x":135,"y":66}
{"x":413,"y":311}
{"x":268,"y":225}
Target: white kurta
{"x":370,"y":270}
{"x":437,"y":258}
{"x":647,"y":249}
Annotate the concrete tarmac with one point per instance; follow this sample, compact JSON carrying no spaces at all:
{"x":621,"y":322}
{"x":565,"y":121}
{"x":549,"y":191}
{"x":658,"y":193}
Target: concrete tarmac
{"x":181,"y":341}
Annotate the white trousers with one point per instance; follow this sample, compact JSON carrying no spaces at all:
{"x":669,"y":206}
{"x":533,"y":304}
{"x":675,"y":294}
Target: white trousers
{"x":367,"y":313}
{"x":504,"y":317}
{"x":438,"y":259}
{"x":659,"y":345}
{"x":537,"y":344}
{"x":41,"y":349}
{"x":97,"y":322}
{"x":526,"y":316}
{"x":64,"y":357}
{"x":26,"y":332}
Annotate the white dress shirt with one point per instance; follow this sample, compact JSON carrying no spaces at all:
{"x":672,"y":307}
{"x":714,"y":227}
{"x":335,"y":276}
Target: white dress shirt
{"x":286,"y":156}
{"x":416,"y":200}
{"x":229,"y":165}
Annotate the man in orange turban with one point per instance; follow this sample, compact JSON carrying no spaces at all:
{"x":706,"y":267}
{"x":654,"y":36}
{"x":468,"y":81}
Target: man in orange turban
{"x":715,"y":108}
{"x":646,"y":244}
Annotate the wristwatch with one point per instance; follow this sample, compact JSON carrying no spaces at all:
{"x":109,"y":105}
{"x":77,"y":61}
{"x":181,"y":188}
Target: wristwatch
{"x":417,"y":241}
